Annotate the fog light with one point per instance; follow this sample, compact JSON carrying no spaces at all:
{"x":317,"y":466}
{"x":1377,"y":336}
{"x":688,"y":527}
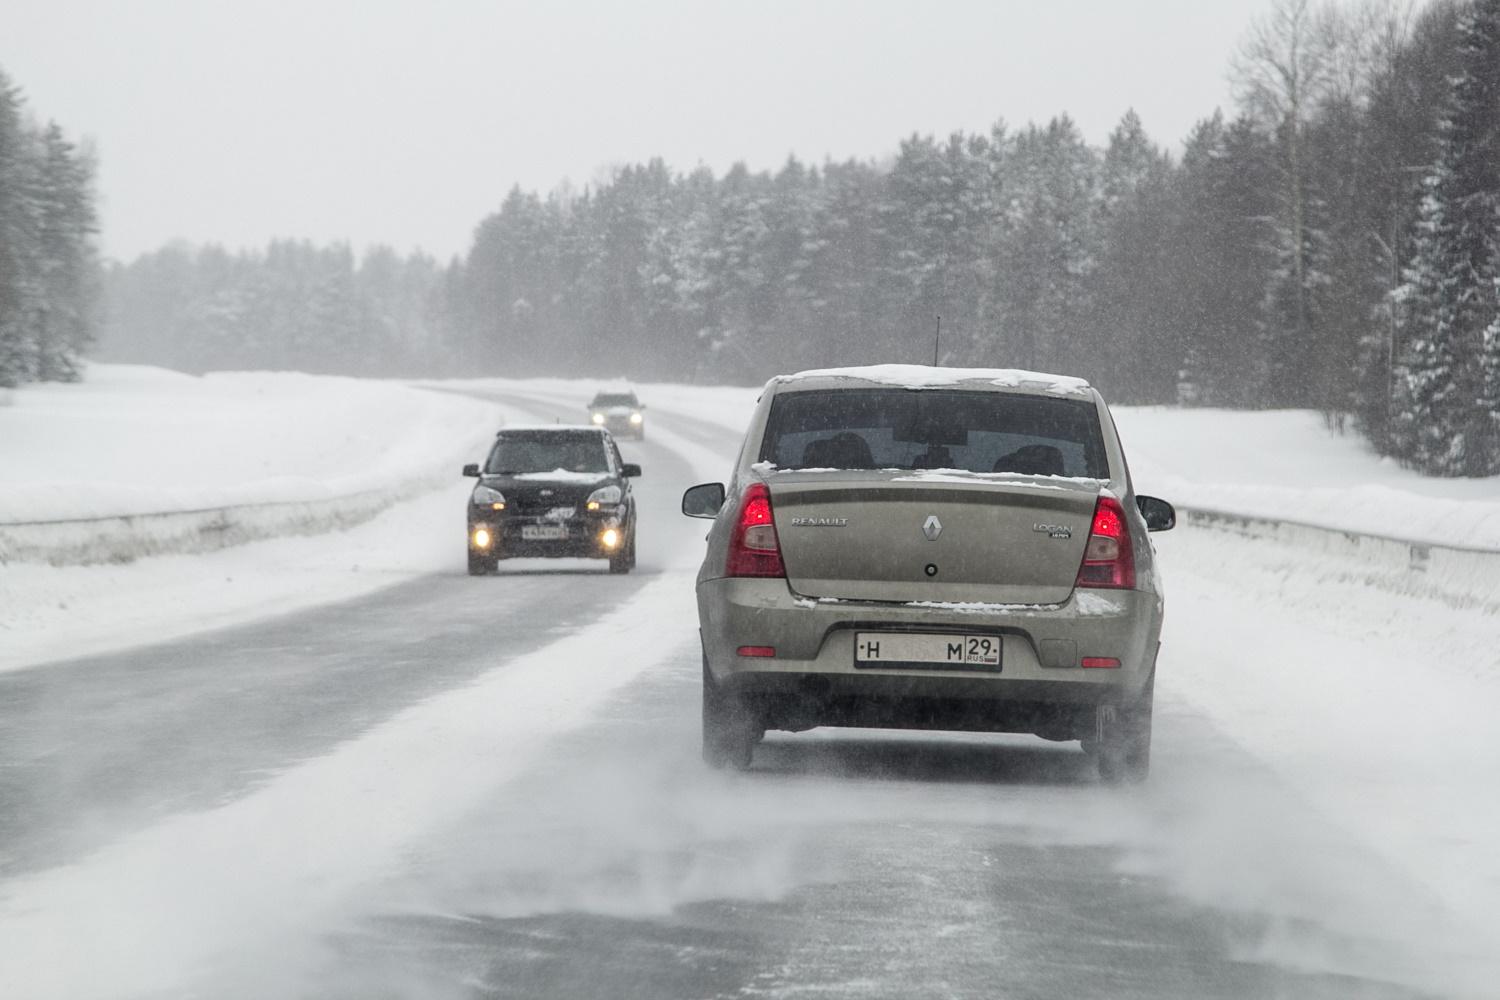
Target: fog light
{"x":482,"y":538}
{"x":610,"y":538}
{"x":591,"y":505}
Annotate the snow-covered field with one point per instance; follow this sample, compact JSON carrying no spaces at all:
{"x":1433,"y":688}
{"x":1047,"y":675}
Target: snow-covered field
{"x":139,"y":440}
{"x":1286,"y":464}
{"x":1373,"y":705}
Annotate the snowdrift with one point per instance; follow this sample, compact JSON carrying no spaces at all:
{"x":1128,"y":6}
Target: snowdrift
{"x":140,"y":461}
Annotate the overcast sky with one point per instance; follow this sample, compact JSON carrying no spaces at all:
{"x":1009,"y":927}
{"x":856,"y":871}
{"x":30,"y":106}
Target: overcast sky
{"x":406,"y":122}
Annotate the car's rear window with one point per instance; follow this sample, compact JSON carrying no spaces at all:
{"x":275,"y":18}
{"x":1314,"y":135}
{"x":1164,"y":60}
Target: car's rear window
{"x":523,"y":452}
{"x":935,"y":429}
{"x":614,"y":400}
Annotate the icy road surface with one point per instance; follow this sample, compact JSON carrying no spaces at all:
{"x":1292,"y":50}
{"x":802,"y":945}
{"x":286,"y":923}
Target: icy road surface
{"x":457,"y":787}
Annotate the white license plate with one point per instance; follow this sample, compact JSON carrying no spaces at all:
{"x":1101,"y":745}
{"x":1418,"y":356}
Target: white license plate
{"x":543,"y":532}
{"x":929,"y":649}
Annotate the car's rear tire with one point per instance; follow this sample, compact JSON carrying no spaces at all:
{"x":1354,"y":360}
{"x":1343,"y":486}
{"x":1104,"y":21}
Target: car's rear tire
{"x":729,"y":732}
{"x":1122,"y":743}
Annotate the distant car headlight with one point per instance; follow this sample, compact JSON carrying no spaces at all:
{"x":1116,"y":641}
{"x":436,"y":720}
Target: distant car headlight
{"x":487,"y":496}
{"x":598,"y":418}
{"x":604,"y":496}
{"x":635,"y":418}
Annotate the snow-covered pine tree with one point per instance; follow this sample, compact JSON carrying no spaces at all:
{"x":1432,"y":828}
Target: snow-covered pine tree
{"x":1132,"y":351}
{"x":67,"y":263}
{"x":937,"y":209}
{"x":1052,"y":250}
{"x":1220,"y":254}
{"x":16,"y":237}
{"x":849,"y":242}
{"x":1449,"y":303}
{"x":1477,"y":135}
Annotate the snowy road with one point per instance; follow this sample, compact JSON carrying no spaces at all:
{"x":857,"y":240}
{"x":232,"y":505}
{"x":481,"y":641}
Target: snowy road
{"x":459,"y":787}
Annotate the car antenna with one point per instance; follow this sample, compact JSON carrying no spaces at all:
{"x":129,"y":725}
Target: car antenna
{"x":937,"y":338}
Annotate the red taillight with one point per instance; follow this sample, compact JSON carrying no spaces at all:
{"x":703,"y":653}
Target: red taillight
{"x":753,"y":548}
{"x":761,"y":651}
{"x":1109,"y":559}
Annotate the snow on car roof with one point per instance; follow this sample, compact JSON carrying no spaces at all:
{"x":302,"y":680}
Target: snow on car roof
{"x":927,"y":377}
{"x":531,"y":428}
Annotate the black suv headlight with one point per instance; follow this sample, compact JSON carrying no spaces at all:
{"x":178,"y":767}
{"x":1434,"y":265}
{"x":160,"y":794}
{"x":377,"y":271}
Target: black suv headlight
{"x":604,"y":498}
{"x":488,"y":497}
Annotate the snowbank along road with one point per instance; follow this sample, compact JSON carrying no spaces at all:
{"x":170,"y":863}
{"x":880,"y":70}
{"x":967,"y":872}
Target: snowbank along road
{"x":439,"y":786}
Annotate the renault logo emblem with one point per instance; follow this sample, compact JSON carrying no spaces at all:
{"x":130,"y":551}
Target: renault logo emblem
{"x":932,"y":527}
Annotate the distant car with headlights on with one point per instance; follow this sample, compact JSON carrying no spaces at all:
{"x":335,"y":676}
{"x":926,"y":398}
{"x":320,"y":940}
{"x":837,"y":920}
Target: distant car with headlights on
{"x":552,"y":491}
{"x":620,"y":413}
{"x":931,"y":548}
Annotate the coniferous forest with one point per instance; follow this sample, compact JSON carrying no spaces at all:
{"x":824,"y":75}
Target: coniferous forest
{"x":1332,"y":242}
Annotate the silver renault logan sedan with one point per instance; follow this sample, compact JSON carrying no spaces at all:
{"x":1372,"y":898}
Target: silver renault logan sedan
{"x":930,"y":548}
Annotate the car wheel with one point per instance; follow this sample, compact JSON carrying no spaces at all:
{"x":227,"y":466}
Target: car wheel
{"x":482,"y":565}
{"x":622,"y":561}
{"x":1122,"y":745}
{"x":729,"y":734}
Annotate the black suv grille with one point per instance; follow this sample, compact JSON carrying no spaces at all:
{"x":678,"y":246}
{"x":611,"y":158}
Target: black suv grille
{"x":532,"y":504}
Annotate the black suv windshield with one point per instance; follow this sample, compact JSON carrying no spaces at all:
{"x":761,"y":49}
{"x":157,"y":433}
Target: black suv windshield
{"x":616,"y":399}
{"x":935,"y":429}
{"x":523,"y":452}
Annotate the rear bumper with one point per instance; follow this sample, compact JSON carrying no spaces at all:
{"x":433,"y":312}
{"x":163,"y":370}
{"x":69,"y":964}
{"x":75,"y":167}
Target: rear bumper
{"x":812,"y":678}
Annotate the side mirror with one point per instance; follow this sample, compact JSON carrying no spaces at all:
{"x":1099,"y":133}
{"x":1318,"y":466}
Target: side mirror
{"x":1159,"y":515}
{"x":704,"y":500}
{"x":471,"y":470}
{"x":630,"y":470}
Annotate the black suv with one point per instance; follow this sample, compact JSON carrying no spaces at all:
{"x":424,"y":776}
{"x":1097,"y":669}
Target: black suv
{"x":552,"y":491}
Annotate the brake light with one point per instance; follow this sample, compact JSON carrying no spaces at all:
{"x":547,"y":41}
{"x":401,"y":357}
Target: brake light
{"x":753,"y":547}
{"x":1109,"y":559}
